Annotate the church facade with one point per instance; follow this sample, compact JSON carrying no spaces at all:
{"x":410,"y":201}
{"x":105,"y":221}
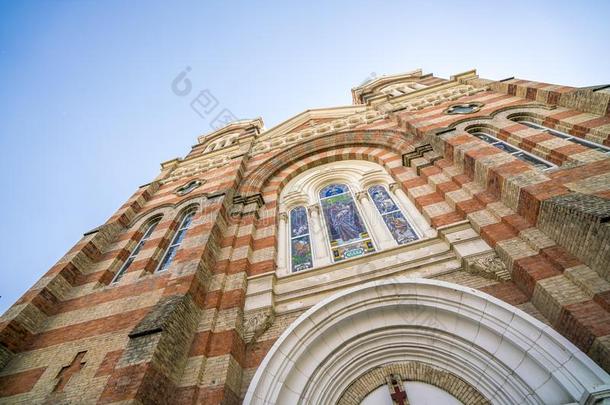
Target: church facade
{"x":437,"y":241}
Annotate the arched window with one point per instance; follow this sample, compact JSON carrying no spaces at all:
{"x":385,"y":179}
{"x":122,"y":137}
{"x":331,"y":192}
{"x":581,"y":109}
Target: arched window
{"x":513,"y":150}
{"x":346,"y":230}
{"x":562,"y":135}
{"x":134,"y":253}
{"x":399,"y":227}
{"x":342,"y":210}
{"x":300,"y":242}
{"x":187,"y":219}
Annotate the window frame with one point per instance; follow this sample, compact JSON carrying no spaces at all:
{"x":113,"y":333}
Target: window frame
{"x":562,"y":135}
{"x":290,"y":238}
{"x":190,"y":213}
{"x":517,"y":150}
{"x":150,"y":228}
{"x":327,"y":235}
{"x":418,"y":235}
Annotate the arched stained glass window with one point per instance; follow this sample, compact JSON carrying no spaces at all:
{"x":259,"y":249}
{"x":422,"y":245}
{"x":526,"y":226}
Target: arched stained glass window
{"x":176,"y":241}
{"x":149,"y":230}
{"x":300,"y":242}
{"x":399,"y":227}
{"x":346,"y":230}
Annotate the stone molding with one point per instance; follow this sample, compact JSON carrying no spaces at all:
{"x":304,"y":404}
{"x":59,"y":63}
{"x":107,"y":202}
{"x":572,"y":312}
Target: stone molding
{"x":419,"y":151}
{"x":246,"y":205}
{"x":506,"y":354}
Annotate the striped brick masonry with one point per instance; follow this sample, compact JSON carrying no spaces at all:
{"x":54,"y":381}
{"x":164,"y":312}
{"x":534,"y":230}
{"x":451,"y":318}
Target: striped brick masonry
{"x":197,"y":332}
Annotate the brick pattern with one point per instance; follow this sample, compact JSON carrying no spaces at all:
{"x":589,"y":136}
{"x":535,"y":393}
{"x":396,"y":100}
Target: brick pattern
{"x":180,"y":336}
{"x":412,"y":371}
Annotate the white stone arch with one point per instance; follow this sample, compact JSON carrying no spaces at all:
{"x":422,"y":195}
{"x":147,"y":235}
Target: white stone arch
{"x":358,"y":175}
{"x":211,"y":147}
{"x":505,"y":354}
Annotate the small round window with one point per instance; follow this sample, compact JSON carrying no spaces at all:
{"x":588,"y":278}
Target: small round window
{"x":188,"y":187}
{"x":467,"y":108}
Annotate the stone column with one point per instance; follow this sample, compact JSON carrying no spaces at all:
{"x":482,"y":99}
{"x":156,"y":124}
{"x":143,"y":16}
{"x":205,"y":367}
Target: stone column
{"x":316,"y":234}
{"x":378,"y":229}
{"x":282,"y":240}
{"x":412,"y":212}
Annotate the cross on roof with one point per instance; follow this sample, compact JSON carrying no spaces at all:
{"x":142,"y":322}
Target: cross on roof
{"x":66,"y":373}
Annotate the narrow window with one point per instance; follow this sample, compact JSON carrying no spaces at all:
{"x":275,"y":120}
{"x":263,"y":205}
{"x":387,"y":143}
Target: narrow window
{"x":516,"y":152}
{"x":176,"y":241}
{"x":300,"y":242}
{"x":575,"y":139}
{"x":346,"y":231}
{"x":399,"y":227}
{"x":149,"y":230}
{"x":188,"y":187}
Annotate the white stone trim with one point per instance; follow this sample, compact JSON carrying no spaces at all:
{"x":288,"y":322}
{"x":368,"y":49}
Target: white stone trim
{"x":501,"y":351}
{"x":358,"y":175}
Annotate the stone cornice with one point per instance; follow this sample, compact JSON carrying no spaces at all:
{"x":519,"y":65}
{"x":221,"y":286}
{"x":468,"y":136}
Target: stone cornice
{"x":308,"y":115}
{"x":366,"y":115}
{"x":241,"y":125}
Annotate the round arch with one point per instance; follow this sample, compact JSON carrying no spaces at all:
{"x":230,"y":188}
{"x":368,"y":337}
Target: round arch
{"x":388,"y":140}
{"x":503,"y":353}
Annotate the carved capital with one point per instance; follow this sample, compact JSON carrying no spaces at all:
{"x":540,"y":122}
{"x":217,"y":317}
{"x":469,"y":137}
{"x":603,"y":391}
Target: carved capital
{"x":395,"y":186}
{"x":314,"y":209}
{"x":362,"y":195}
{"x":283,"y":216}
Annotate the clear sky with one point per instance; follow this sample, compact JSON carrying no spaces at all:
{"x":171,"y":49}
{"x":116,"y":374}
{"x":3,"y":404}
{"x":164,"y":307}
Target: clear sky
{"x":88,"y":112}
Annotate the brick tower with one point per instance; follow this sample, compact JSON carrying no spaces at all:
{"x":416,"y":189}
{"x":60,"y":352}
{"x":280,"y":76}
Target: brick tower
{"x":437,"y":238}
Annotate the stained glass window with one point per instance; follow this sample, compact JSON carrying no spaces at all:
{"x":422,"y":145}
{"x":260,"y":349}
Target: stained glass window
{"x":176,"y":241}
{"x":149,"y":230}
{"x":300,"y":242}
{"x":399,"y":227}
{"x":346,"y":230}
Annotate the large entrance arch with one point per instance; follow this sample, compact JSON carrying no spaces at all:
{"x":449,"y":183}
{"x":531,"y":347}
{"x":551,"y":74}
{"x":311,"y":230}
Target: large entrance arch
{"x":498,"y":351}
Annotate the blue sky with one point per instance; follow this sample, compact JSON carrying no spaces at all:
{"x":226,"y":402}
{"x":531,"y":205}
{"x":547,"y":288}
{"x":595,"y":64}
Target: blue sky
{"x":87,"y":110}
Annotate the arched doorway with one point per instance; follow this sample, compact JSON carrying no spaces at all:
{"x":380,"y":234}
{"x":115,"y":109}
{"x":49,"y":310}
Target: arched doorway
{"x":496,"y":350}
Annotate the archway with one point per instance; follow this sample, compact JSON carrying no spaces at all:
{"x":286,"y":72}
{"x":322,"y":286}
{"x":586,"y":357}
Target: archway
{"x":499,"y":351}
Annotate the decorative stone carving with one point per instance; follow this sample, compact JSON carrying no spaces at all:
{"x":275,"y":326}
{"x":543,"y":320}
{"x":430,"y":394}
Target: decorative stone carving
{"x":196,"y":167}
{"x":488,"y":266}
{"x":372,"y":114}
{"x":314,"y":209}
{"x":256,"y":323}
{"x":362,"y":195}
